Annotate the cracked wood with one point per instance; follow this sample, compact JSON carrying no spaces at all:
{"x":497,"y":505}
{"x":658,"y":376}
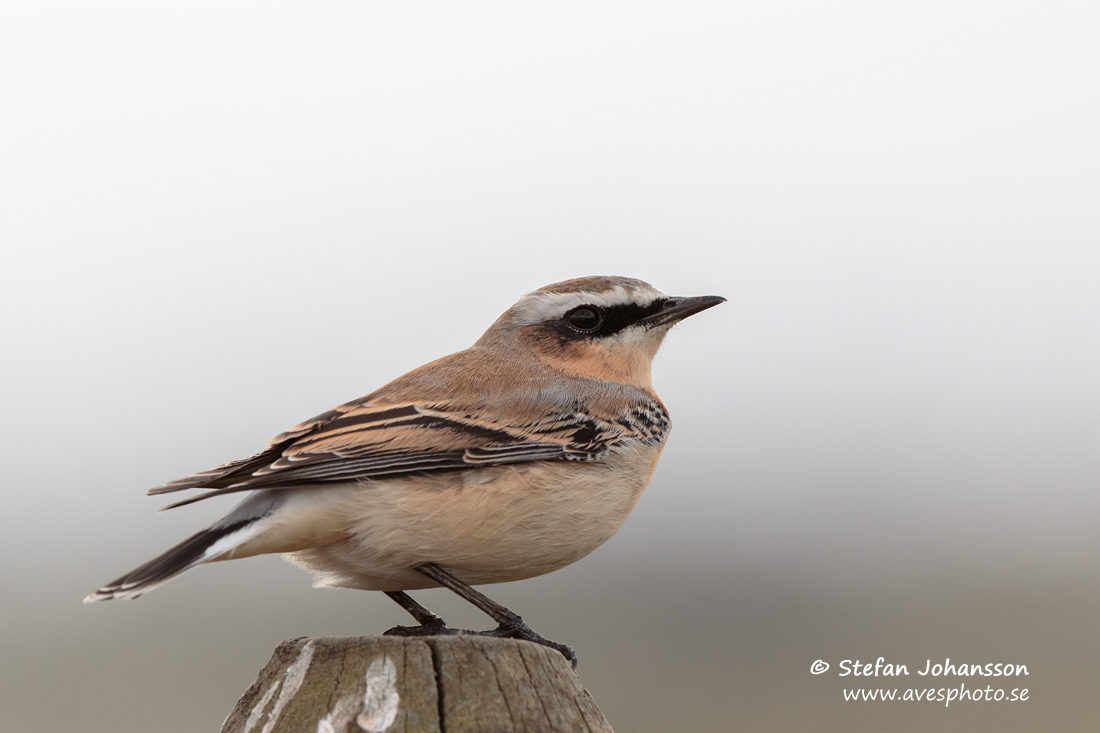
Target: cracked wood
{"x":445,"y":684}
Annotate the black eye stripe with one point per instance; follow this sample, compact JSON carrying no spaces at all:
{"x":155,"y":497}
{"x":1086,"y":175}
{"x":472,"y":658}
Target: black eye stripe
{"x":614,"y":319}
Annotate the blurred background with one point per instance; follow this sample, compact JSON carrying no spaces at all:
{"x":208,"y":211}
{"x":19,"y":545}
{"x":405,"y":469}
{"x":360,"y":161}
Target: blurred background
{"x":218,"y":220}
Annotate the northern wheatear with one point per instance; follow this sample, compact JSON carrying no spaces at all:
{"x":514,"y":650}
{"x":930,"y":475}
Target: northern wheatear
{"x":513,"y":458}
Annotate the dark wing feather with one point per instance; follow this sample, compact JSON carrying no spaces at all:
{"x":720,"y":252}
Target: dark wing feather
{"x":224,"y":475}
{"x":364,"y":441}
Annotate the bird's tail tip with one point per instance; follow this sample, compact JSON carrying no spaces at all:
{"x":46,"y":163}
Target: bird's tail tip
{"x":209,"y":544}
{"x":111,"y":592}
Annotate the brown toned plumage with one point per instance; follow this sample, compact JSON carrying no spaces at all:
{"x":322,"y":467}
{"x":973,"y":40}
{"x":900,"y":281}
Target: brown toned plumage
{"x":471,"y":409}
{"x":507,"y":460}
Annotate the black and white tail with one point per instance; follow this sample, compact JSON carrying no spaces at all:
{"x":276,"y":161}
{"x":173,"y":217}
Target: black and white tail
{"x":209,"y":544}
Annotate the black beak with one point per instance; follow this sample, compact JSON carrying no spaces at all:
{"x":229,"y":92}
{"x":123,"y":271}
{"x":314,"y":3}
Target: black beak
{"x":677,"y":309}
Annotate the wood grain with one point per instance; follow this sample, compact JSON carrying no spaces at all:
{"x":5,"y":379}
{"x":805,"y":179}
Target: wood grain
{"x":441,"y":684}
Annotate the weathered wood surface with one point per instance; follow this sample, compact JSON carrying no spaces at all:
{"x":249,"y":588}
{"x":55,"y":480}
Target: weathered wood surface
{"x":441,"y":684}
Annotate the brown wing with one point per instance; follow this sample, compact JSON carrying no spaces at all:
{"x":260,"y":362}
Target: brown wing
{"x":417,"y":424}
{"x":366,"y":441}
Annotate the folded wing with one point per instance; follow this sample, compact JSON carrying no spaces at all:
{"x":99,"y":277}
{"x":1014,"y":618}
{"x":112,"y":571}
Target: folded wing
{"x":368,"y":440}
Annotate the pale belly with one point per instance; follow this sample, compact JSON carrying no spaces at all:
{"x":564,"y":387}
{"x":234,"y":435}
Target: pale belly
{"x":486,"y":526}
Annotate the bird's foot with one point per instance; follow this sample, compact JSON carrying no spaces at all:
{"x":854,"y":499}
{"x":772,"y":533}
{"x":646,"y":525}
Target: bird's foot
{"x":515,"y":628}
{"x":431,"y":628}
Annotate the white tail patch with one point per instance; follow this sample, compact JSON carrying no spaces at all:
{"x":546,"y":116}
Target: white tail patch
{"x":230,"y":542}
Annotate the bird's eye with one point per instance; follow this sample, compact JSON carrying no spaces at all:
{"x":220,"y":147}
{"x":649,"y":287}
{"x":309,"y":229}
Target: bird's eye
{"x":584,"y":318}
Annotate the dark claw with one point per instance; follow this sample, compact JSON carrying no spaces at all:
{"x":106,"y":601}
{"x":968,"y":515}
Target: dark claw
{"x":512,"y":629}
{"x":432,"y":629}
{"x":515,"y":628}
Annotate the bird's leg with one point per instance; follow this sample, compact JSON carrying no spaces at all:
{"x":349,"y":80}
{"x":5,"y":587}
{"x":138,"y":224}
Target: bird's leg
{"x":430,"y":624}
{"x":509,"y":624}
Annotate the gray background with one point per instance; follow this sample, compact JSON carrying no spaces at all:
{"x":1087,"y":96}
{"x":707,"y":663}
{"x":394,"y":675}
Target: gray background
{"x":219,"y":220}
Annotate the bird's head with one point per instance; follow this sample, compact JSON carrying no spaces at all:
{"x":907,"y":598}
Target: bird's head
{"x":601,"y":327}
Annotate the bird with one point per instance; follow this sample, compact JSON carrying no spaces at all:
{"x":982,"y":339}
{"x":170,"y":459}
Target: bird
{"x":511,"y":459}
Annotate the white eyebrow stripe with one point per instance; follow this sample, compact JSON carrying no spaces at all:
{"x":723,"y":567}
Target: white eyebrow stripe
{"x":538,"y":307}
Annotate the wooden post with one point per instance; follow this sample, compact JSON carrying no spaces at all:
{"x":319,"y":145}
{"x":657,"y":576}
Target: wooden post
{"x":440,"y":684}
